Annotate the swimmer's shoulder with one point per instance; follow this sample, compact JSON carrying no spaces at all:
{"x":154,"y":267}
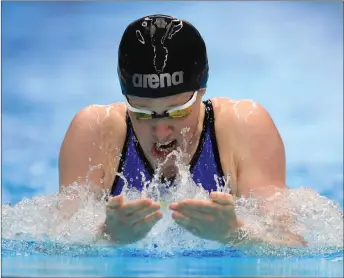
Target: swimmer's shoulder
{"x":103,"y":119}
{"x":242,"y":115}
{"x":229,"y":136}
{"x":94,"y":137}
{"x":106,"y":124}
{"x":244,"y":129}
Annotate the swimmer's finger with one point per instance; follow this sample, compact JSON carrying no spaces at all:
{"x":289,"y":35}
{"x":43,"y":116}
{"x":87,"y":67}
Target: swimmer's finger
{"x":114,"y":202}
{"x":195,"y":214}
{"x":136,"y":205}
{"x":222,"y":198}
{"x":186,"y":222}
{"x":142,"y":213}
{"x":295,"y":238}
{"x":286,"y":242}
{"x":199,"y":205}
{"x":148,"y":222}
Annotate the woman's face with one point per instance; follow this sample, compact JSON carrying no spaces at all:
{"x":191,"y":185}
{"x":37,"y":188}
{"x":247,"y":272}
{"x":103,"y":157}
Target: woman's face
{"x":160,"y":136}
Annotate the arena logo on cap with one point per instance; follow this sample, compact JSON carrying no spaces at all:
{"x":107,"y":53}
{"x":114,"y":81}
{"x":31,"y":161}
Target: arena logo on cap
{"x":155,"y":81}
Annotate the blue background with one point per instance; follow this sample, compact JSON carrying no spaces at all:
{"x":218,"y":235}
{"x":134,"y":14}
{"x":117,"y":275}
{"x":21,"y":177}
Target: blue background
{"x":59,"y":57}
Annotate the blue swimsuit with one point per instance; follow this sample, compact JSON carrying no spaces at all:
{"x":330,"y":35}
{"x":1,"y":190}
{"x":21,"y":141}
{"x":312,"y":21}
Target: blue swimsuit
{"x":205,"y":165}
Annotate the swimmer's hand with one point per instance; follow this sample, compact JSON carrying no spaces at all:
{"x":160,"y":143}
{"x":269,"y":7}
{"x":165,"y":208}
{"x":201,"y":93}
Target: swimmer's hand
{"x":211,"y":220}
{"x":130,"y":222}
{"x":216,"y":220}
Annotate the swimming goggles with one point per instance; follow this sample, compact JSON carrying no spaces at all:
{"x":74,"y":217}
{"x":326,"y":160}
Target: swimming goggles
{"x":174,"y":112}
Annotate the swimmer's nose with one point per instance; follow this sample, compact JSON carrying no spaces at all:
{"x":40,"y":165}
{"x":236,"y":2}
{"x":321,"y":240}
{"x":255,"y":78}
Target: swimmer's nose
{"x":162,"y":131}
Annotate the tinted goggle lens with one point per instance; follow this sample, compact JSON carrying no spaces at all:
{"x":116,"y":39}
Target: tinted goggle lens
{"x":175,"y":114}
{"x":180,"y":113}
{"x":142,"y":116}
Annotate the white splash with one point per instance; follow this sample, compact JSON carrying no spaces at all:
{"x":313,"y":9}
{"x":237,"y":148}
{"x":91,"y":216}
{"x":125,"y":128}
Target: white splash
{"x":317,"y":219}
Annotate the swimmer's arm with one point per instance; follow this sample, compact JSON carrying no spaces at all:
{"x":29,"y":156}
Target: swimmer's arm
{"x":80,"y":149}
{"x":261,"y":171}
{"x":261,"y":159}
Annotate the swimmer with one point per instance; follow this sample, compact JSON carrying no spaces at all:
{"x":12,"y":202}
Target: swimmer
{"x":163,"y":72}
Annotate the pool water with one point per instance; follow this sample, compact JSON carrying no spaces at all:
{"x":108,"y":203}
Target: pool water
{"x":38,"y":242}
{"x":39,"y":259}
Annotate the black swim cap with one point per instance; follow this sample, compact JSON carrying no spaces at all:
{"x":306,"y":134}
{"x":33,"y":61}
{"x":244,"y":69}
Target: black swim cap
{"x":160,"y":56}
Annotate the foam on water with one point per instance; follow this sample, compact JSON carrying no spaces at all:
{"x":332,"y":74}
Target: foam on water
{"x":302,"y":211}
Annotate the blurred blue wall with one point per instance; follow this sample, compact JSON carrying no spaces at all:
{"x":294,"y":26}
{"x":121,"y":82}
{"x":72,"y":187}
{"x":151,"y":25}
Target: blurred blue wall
{"x":58,"y":57}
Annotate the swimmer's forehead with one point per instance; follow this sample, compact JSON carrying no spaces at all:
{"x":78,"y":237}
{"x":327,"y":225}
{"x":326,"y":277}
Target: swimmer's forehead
{"x":166,"y":102}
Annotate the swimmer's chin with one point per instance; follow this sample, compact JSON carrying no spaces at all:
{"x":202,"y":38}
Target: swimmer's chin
{"x":167,"y":170}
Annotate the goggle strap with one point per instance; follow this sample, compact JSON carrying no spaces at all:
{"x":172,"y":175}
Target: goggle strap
{"x":185,"y":105}
{"x":133,"y":109}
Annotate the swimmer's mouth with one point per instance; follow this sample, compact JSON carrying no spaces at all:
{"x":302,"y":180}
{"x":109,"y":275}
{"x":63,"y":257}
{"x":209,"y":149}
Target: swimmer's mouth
{"x":162,"y":149}
{"x":166,"y":147}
